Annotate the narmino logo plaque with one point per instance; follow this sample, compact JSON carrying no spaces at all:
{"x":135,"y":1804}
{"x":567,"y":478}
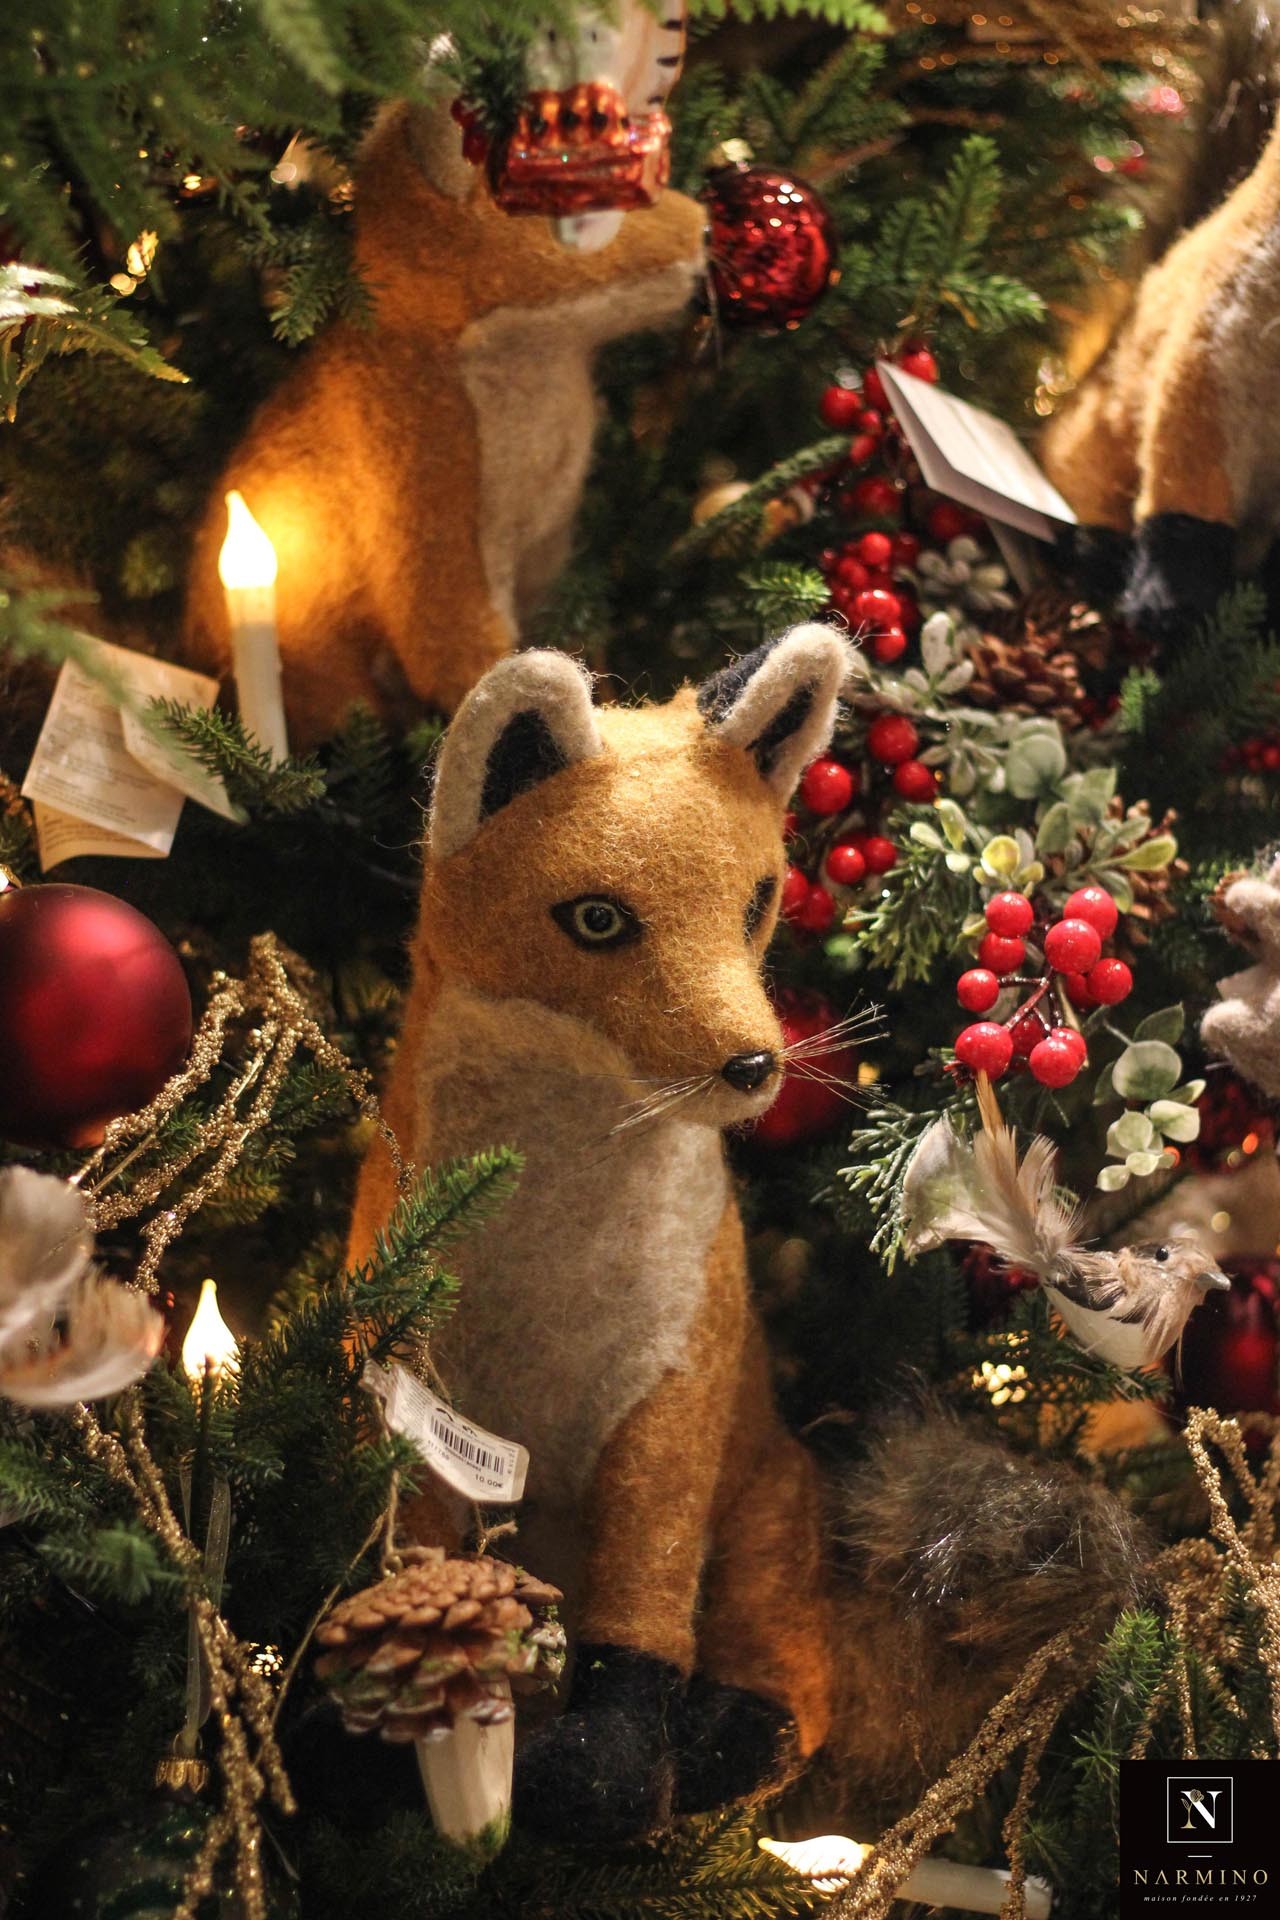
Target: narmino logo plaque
{"x":1199,"y":1810}
{"x":1198,"y":1840}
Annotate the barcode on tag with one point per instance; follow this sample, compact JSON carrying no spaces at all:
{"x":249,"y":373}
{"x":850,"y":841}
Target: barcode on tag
{"x":480,"y":1465}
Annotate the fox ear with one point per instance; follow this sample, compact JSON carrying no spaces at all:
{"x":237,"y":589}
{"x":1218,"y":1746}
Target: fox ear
{"x":780,"y":701}
{"x":529,"y":718}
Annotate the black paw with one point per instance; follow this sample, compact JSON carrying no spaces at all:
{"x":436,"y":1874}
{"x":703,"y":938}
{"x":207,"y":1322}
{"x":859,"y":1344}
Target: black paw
{"x":730,"y":1742}
{"x":1181,"y":569}
{"x":602,"y":1773}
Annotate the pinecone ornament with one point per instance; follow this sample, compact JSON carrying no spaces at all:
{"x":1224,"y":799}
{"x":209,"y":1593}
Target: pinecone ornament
{"x":439,"y":1643}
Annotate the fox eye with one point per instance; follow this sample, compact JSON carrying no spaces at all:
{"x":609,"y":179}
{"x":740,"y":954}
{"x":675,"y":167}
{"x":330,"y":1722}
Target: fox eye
{"x":597,"y":920}
{"x":759,"y":904}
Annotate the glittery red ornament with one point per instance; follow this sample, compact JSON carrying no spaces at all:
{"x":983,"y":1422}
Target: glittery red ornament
{"x":772,"y":247}
{"x":95,"y":1013}
{"x":806,"y":1108}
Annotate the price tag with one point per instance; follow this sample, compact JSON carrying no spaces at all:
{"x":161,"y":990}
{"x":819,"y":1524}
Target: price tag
{"x":475,"y":1463}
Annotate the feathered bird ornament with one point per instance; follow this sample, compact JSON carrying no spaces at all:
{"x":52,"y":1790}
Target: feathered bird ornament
{"x":1128,"y":1305}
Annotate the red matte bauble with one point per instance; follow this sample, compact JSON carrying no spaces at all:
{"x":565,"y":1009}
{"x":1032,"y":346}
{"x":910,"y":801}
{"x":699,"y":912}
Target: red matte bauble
{"x":1231,"y":1347}
{"x":772,"y":247}
{"x":805,"y":1109}
{"x":95,"y":1013}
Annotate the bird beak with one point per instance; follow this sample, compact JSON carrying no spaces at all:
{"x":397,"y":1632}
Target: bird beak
{"x":1213,"y":1281}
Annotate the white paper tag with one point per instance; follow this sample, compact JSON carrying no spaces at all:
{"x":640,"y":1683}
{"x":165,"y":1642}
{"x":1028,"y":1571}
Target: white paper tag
{"x":477,"y":1464}
{"x":974,"y":458}
{"x":97,"y":763}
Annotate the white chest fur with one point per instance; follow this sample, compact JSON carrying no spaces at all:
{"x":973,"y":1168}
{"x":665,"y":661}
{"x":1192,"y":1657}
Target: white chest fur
{"x":580,"y":1293}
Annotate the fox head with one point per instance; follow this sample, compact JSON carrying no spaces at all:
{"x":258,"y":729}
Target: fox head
{"x":621,"y":866}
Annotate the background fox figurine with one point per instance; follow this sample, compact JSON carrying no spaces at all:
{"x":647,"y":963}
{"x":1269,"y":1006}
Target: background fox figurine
{"x":419,"y":479}
{"x":587,"y":987}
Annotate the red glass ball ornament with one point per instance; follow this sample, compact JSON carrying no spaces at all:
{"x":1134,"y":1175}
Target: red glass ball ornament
{"x":1230,"y":1357}
{"x":827,"y":787}
{"x":891,"y":738}
{"x":877,"y":498}
{"x":805,"y":1109}
{"x":914,"y":781}
{"x":1072,"y":946}
{"x":877,"y":608}
{"x":771,"y":247}
{"x":985,"y":1048}
{"x":95,"y":1013}
{"x":879,"y":853}
{"x":840,"y":407}
{"x":818,"y":911}
{"x":795,"y":893}
{"x":1000,"y":954}
{"x":919,"y":362}
{"x":946,"y":521}
{"x":977,"y":990}
{"x":1010,"y":914}
{"x":1109,"y":982}
{"x":846,"y":865}
{"x":875,"y":549}
{"x":889,"y":645}
{"x":1053,"y":1062}
{"x":1095,"y":905}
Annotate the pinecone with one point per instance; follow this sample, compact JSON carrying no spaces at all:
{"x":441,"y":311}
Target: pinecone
{"x":1151,"y":902}
{"x":437,"y":1643}
{"x":1029,"y":674}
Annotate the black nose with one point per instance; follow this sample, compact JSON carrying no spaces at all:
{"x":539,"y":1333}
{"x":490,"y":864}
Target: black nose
{"x":747,"y":1071}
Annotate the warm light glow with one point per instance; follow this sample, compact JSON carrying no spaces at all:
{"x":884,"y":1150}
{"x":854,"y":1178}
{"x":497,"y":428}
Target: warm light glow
{"x":1250,"y":1143}
{"x":210,"y":1344}
{"x":1220,"y":1221}
{"x":142,"y":253}
{"x":248,"y":558}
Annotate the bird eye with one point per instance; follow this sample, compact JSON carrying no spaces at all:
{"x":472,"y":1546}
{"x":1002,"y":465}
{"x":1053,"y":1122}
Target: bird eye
{"x":1161,"y":1253}
{"x":596,"y":920}
{"x":758,"y":906}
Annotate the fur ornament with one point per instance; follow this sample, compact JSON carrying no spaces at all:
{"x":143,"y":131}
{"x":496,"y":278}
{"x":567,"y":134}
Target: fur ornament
{"x":1128,"y":1305}
{"x":1244,"y":1027}
{"x":419,"y":477}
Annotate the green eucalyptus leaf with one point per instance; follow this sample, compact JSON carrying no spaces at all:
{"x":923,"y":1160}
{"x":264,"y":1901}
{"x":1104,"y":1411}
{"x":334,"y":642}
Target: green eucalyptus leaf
{"x":1104,"y":1090}
{"x":925,"y":836}
{"x":1111,"y":1179}
{"x":1054,"y":832}
{"x":1189,"y":1092}
{"x":952,"y":821}
{"x":1167,"y":1024}
{"x":1034,"y":763}
{"x":1175,"y":1121}
{"x":1131,"y":1133}
{"x":1144,"y":1163}
{"x":958,"y":863}
{"x":1147,"y":1070}
{"x":1000,"y":856}
{"x":1151,"y":855}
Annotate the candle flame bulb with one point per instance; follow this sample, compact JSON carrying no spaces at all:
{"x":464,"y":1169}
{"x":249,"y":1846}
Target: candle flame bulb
{"x":210,"y":1344}
{"x":248,"y":558}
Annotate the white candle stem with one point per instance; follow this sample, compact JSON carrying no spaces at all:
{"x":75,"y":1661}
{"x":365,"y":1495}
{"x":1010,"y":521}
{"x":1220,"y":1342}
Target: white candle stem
{"x":831,"y":1862}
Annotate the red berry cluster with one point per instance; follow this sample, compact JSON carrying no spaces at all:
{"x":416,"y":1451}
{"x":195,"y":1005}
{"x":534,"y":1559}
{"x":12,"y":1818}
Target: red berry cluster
{"x":864,"y":574}
{"x":1260,"y":753}
{"x":1073,"y":964}
{"x":828,"y":790}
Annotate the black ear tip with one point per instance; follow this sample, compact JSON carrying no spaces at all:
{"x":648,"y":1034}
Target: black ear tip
{"x":524,"y":753}
{"x":721,"y":693}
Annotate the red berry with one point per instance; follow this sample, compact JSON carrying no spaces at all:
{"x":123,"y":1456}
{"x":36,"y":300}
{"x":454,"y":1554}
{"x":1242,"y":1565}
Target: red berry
{"x":869,"y":421}
{"x":1109,"y":981}
{"x":818,"y":911}
{"x":1072,"y":946}
{"x":946,"y":521}
{"x":877,"y":497}
{"x":828,"y":561}
{"x":977,"y":990}
{"x":880,"y":854}
{"x":861,"y":448}
{"x":910,"y":609}
{"x":889,"y":645}
{"x":1095,"y":905}
{"x":1027,"y":1032}
{"x":1010,"y":914}
{"x":1271,"y":757}
{"x":1053,"y":1062}
{"x":840,"y":406}
{"x":827,"y":787}
{"x":920,"y":362}
{"x":985,"y":1048}
{"x":851,"y":573}
{"x":1000,"y":954}
{"x":914,"y":781}
{"x":877,"y":608}
{"x":906,"y":550}
{"x":795,"y":892}
{"x":1076,"y":988}
{"x":873,"y":390}
{"x":846,"y":865}
{"x":875,"y":549}
{"x":790,"y":824}
{"x":892,"y":738}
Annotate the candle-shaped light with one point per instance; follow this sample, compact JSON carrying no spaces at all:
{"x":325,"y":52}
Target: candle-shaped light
{"x":210,"y":1348}
{"x":831,"y":1861}
{"x":247,"y":570}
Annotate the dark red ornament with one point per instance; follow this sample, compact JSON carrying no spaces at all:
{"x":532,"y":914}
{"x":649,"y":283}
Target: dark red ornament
{"x":804,"y":1108}
{"x":1231,"y":1345}
{"x":95,"y":1013}
{"x":772,"y":247}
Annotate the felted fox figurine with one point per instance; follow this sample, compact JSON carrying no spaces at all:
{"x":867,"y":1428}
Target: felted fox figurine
{"x":1170,"y":436}
{"x":599,"y":889}
{"x":419,"y":477}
